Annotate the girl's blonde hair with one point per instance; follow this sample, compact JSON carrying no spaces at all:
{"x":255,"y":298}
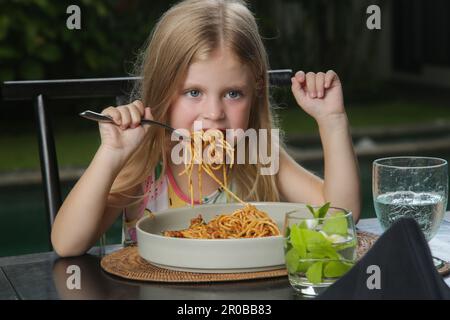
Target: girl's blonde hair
{"x":189,"y":31}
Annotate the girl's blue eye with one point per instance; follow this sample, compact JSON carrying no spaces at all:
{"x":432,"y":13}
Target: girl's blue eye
{"x":234,"y":94}
{"x":193,"y":93}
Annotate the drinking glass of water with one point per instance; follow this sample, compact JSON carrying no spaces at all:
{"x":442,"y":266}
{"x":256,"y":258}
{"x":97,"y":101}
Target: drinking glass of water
{"x":415,"y":187}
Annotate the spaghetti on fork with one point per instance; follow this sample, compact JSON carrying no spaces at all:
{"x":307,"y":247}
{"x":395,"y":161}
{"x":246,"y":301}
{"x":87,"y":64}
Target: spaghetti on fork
{"x":248,"y":222}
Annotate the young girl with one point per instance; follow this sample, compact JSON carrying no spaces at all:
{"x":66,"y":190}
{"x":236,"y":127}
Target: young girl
{"x":205,"y":62}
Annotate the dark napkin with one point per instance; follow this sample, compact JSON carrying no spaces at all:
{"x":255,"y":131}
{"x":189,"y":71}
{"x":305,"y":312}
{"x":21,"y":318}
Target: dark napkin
{"x":405,"y":264}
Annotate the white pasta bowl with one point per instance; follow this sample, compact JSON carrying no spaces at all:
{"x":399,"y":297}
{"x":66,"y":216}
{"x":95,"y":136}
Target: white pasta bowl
{"x":211,"y":255}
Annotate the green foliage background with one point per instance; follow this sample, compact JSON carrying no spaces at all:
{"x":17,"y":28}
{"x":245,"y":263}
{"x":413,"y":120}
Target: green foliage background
{"x":36,"y":44}
{"x":299,"y":34}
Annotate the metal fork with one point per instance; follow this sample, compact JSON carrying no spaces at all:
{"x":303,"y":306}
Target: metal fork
{"x":91,"y":115}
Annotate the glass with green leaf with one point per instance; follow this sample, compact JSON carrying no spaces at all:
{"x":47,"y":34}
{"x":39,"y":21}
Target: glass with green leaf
{"x":319,"y":246}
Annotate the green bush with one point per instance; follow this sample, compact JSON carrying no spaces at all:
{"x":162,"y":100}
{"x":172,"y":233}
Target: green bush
{"x":36,"y":44}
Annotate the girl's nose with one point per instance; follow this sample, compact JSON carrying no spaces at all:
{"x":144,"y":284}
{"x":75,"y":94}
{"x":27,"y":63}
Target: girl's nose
{"x":213,"y":110}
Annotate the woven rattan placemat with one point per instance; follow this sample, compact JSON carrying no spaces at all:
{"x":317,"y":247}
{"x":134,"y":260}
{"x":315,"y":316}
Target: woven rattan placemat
{"x":127,"y":263}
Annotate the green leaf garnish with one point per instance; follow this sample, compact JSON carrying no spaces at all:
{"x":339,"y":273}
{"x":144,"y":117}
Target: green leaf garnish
{"x":303,"y":225}
{"x":308,"y":224}
{"x":292,"y":260}
{"x":297,"y":240}
{"x":303,"y":266}
{"x":335,"y":269}
{"x":314,"y":272}
{"x":318,"y":245}
{"x":345,"y":245}
{"x":315,"y":255}
{"x":313,"y":238}
{"x":288,"y":232}
{"x":323,"y":210}
{"x":336,"y":224}
{"x":311,"y":209}
{"x":321,"y":251}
